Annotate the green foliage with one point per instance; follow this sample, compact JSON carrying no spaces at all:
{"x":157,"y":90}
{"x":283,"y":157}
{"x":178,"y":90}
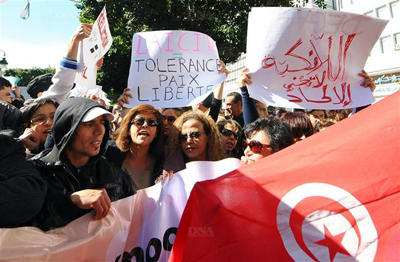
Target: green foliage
{"x":223,"y":20}
{"x":26,"y":75}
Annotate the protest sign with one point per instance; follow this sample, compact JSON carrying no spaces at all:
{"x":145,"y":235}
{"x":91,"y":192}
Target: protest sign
{"x":327,"y":198}
{"x":309,"y":58}
{"x":92,"y":49}
{"x":140,"y":226}
{"x":172,"y":68}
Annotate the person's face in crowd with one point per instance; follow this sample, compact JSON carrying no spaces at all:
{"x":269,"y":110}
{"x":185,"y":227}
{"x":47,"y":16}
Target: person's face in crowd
{"x":229,"y":137}
{"x":86,"y":141}
{"x":316,"y":115}
{"x":5,"y":94}
{"x":232,"y":108}
{"x":42,"y":121}
{"x":194,"y":140}
{"x":258,"y":146}
{"x":262,"y":109}
{"x":169,"y":118}
{"x":144,"y":129}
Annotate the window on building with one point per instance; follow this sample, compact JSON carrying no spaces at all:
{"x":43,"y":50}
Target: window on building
{"x":395,"y":9}
{"x":370,"y":13}
{"x":397,"y":41}
{"x":386,"y":43}
{"x":383,"y":12}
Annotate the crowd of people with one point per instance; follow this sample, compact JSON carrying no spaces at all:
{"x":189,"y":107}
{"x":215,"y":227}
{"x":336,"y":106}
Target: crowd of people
{"x":63,"y":155}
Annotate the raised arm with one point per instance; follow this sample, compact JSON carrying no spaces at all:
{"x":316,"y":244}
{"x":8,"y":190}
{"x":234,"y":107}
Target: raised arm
{"x":64,"y":78}
{"x":250,"y":113}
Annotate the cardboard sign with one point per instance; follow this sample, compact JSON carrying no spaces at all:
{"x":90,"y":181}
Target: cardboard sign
{"x":92,"y":49}
{"x":310,"y":58}
{"x":172,"y":68}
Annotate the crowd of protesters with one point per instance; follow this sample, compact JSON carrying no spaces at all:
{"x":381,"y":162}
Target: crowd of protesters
{"x":63,"y":155}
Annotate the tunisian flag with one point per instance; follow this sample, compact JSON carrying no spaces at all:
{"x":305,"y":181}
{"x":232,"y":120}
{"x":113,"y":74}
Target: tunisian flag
{"x":332,"y":197}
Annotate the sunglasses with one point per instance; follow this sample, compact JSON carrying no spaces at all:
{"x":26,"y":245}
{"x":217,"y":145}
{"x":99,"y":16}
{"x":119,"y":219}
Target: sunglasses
{"x":192,"y":135}
{"x":170,"y":119}
{"x":255,"y":146}
{"x":228,"y":133}
{"x":140,"y":122}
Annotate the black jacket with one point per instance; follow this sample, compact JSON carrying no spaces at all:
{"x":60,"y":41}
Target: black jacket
{"x":22,"y":190}
{"x":116,"y":157}
{"x":63,"y":178}
{"x":10,"y":117}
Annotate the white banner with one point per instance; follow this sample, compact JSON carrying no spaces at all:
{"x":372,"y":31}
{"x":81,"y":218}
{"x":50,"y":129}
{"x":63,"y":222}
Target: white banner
{"x":92,"y":49}
{"x":309,"y":58}
{"x":141,"y":226}
{"x":172,"y":68}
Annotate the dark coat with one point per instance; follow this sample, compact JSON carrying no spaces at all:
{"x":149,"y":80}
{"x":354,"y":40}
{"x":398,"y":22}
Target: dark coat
{"x":63,"y":178}
{"x":22,"y":190}
{"x":10,"y":117}
{"x":116,"y":157}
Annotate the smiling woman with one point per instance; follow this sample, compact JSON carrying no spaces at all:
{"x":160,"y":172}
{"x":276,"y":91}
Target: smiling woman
{"x":140,"y":142}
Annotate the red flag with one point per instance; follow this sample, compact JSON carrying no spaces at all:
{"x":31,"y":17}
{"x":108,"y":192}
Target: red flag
{"x":334,"y":196}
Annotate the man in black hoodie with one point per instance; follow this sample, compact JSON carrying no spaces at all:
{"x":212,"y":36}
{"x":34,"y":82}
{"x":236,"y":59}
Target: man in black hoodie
{"x":78,"y":177}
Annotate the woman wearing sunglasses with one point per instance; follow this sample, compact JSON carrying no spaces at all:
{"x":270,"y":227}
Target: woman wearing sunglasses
{"x":197,"y":139}
{"x":37,"y":119}
{"x":230,"y":131}
{"x":265,"y":136}
{"x":140,"y":140}
{"x":170,"y":115}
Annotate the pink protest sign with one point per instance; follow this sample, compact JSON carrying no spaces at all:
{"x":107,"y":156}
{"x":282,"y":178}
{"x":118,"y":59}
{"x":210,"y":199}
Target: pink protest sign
{"x":172,"y":68}
{"x":310,"y":58}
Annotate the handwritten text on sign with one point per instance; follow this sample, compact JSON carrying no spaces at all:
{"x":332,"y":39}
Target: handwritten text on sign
{"x":305,"y":62}
{"x":172,"y":68}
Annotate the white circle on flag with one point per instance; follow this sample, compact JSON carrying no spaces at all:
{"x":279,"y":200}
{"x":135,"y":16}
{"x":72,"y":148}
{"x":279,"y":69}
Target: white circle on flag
{"x":358,"y":241}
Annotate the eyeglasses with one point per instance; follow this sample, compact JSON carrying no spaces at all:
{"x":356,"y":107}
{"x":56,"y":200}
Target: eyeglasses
{"x":140,"y":122}
{"x":192,"y":135}
{"x":42,"y":120}
{"x":228,"y":133}
{"x":255,"y":146}
{"x":170,"y":119}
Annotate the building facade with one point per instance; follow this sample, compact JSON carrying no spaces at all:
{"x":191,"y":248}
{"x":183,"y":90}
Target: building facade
{"x":383,"y":64}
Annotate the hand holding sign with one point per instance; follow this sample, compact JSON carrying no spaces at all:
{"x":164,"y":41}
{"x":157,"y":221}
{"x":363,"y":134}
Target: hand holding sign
{"x":93,"y":49}
{"x":309,"y":58}
{"x":172,"y":68}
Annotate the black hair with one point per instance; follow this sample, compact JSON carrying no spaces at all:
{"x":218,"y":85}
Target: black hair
{"x":277,"y":130}
{"x":236,"y":97}
{"x":4,"y":83}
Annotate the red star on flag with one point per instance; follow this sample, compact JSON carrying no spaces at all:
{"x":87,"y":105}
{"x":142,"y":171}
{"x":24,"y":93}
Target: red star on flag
{"x":333,"y":243}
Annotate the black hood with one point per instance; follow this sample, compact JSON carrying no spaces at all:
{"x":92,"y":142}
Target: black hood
{"x":66,"y":120}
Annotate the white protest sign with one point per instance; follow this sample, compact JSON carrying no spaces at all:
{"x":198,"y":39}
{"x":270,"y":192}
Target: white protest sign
{"x":172,"y":68}
{"x":92,"y":49}
{"x":309,"y":58}
{"x":140,"y":226}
